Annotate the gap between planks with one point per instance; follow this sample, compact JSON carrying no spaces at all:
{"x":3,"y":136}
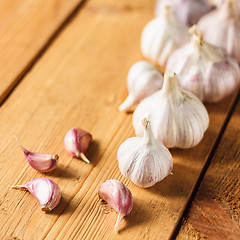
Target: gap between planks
{"x":205,"y":166}
{"x":6,"y":94}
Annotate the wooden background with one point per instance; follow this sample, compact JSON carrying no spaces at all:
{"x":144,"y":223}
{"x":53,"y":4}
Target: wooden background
{"x":64,"y":64}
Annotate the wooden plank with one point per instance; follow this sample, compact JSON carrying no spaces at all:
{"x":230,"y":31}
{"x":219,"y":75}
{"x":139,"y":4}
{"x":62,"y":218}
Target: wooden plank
{"x":25,"y":28}
{"x":214,"y":213}
{"x":80,"y":80}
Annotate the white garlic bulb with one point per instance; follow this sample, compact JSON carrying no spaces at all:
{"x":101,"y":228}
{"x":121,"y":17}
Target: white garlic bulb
{"x":187,"y":11}
{"x":144,"y":160}
{"x":161,"y":36}
{"x":205,"y":70}
{"x":178,"y":118}
{"x":221,"y":27}
{"x":143,"y":80}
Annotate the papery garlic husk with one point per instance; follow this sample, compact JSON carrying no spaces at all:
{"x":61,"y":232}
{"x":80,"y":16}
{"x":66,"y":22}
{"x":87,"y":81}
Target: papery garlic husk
{"x":219,"y":3}
{"x":45,"y":190}
{"x":42,"y":162}
{"x":144,"y":160}
{"x":221,"y":27}
{"x":187,"y":11}
{"x":76,"y":142}
{"x":178,"y":118}
{"x":205,"y":70}
{"x":118,"y":196}
{"x":161,"y":36}
{"x":143,"y":80}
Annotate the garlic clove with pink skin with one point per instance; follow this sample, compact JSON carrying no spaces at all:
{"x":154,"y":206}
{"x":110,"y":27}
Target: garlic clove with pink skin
{"x":187,"y":11}
{"x":144,"y":160}
{"x":161,"y":36}
{"x":45,"y":190}
{"x":221,"y":28}
{"x":118,"y":196}
{"x":143,"y":80}
{"x":204,"y":69}
{"x":41,"y":162}
{"x":178,"y":118}
{"x":76,"y":142}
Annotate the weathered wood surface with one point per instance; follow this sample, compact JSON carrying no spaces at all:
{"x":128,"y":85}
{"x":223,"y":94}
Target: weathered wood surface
{"x":79,"y":82}
{"x":215,"y":212}
{"x":26,"y":26}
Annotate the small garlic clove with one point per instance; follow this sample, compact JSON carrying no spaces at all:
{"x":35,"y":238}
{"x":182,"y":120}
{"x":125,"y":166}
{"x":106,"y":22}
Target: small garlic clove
{"x":178,"y":118}
{"x":161,"y":36}
{"x":76,"y":143}
{"x":40,"y":161}
{"x":144,"y":160}
{"x":118,"y":196}
{"x":45,"y":190}
{"x":188,"y":12}
{"x":143,"y":80}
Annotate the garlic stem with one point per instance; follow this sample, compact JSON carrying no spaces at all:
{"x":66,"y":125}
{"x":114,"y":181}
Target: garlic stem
{"x":127,"y":104}
{"x":83,"y":157}
{"x":120,"y":216}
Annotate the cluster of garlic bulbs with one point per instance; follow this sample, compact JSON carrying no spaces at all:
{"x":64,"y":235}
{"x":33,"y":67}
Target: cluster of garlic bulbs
{"x":204,"y":69}
{"x":188,"y":12}
{"x":161,"y":36}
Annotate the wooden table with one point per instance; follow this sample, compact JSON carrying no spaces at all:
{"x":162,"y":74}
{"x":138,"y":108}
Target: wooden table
{"x":63,"y":63}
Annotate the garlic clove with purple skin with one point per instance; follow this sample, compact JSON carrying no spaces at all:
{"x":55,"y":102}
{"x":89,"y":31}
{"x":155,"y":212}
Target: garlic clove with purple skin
{"x":45,"y":190}
{"x":143,"y":80}
{"x":42,"y":162}
{"x":118,"y":196}
{"x":144,"y":160}
{"x":187,"y":11}
{"x":76,"y":143}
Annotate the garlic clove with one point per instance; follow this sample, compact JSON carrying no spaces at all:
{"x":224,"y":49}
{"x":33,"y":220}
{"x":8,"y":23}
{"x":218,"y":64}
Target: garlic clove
{"x":187,"y":12}
{"x":143,"y":80}
{"x":161,"y":36}
{"x":118,"y":196}
{"x":221,"y":27}
{"x":40,"y":161}
{"x":205,"y":70}
{"x":178,"y":118}
{"x":45,"y":190}
{"x":76,"y":143}
{"x":144,"y":160}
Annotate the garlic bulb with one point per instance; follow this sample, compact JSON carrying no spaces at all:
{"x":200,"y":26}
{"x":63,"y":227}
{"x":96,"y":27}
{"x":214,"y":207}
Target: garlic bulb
{"x":118,"y":196}
{"x":221,"y":27}
{"x":144,"y":160}
{"x":162,"y":36}
{"x":204,"y":69}
{"x":178,"y":118}
{"x":45,"y":190}
{"x":143,"y":80}
{"x":187,"y":11}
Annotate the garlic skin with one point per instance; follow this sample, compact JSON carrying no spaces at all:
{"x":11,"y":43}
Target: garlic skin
{"x":187,"y":11}
{"x":144,"y":160}
{"x":178,"y":118}
{"x":118,"y":196}
{"x":40,"y":161}
{"x":76,"y":142}
{"x":45,"y":190}
{"x":221,"y":28}
{"x":143,"y":80}
{"x":161,"y":36}
{"x":205,"y":70}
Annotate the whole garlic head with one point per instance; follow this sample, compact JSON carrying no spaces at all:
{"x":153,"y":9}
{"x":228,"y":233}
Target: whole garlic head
{"x":178,"y":118}
{"x":143,"y":80}
{"x":221,"y":27}
{"x":161,"y":36}
{"x":205,"y":70}
{"x":144,"y":160}
{"x":187,"y":11}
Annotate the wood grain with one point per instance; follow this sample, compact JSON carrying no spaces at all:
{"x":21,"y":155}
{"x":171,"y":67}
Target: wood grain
{"x":26,"y":26}
{"x":80,"y":80}
{"x":214,"y":213}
